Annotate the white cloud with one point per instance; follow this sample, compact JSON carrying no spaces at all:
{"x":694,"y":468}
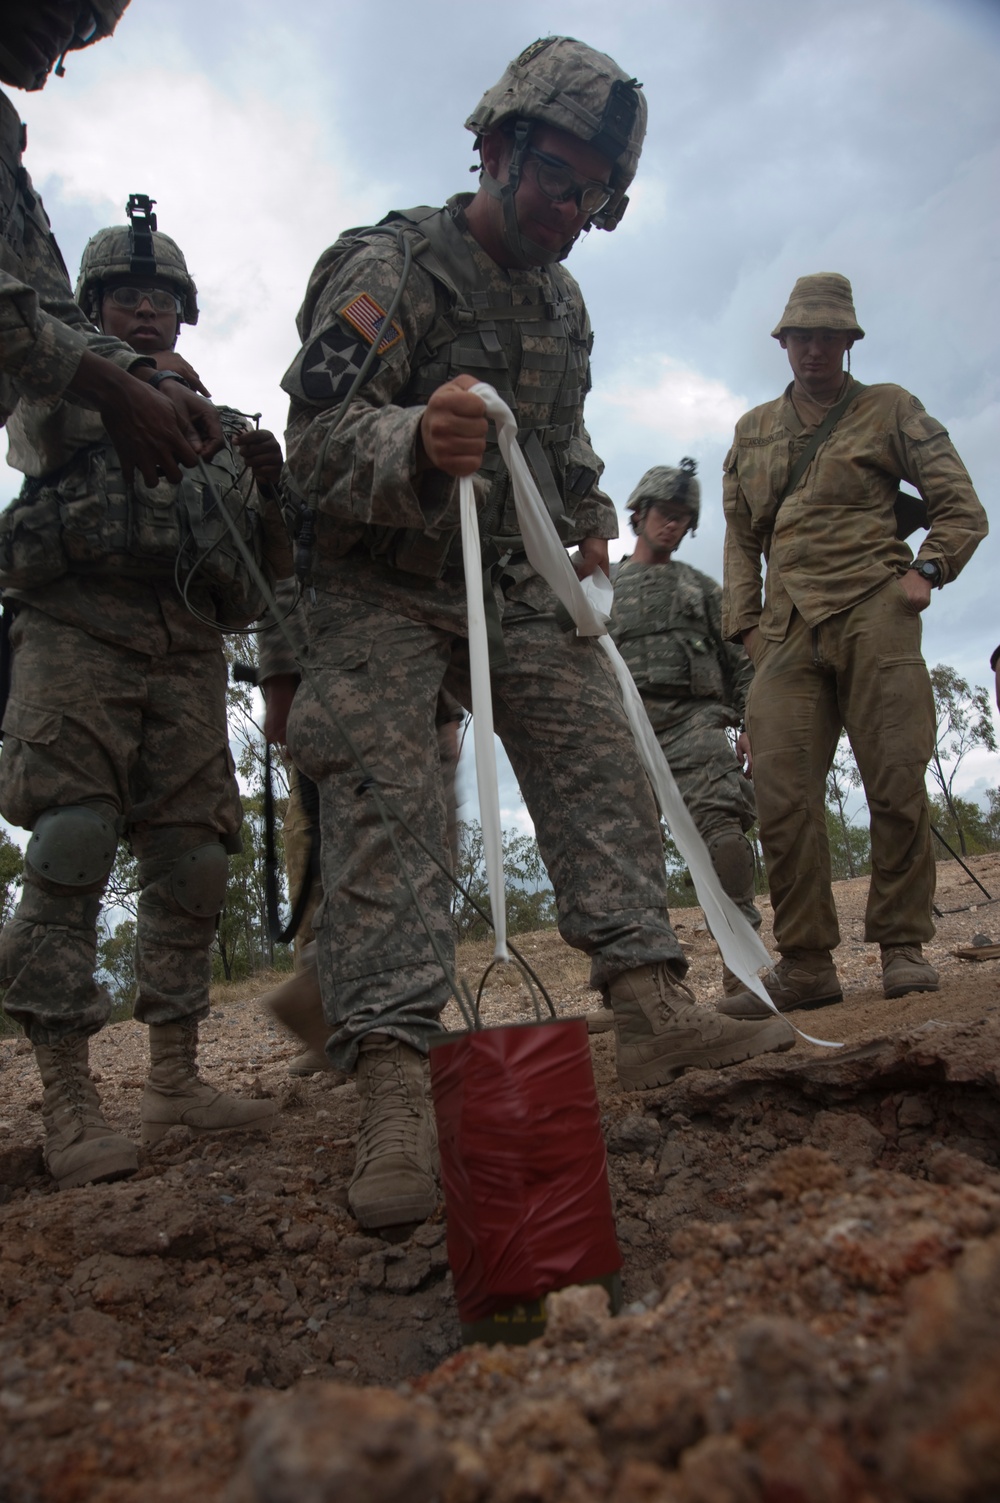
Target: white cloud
{"x":250,"y":211}
{"x":671,"y":398}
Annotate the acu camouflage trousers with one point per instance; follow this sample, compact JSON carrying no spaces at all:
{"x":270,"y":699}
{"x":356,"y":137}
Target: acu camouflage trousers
{"x":558,"y":712}
{"x":142,"y":739}
{"x":718,"y":797}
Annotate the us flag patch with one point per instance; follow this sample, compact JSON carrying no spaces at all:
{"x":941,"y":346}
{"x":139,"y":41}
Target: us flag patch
{"x":364,"y":314}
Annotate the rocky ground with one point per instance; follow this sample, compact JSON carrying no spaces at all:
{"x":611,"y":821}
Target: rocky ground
{"x":811,"y":1250}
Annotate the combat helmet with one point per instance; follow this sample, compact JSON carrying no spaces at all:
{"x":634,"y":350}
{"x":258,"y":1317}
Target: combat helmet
{"x":564,"y":83}
{"x":666,"y":482}
{"x":95,"y":19}
{"x":136,"y":250}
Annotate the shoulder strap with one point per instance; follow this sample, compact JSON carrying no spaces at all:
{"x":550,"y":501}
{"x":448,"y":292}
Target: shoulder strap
{"x":822,"y":433}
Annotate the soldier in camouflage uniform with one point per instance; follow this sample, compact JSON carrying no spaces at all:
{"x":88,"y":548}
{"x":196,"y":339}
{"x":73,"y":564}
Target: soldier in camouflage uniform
{"x":116,"y":721}
{"x":47,"y":346}
{"x":811,"y":482}
{"x":486,"y":298}
{"x":296,"y":1004}
{"x":667,"y":622}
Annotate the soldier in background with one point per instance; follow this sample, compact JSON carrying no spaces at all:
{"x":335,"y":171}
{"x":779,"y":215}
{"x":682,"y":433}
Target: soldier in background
{"x":48,"y":348}
{"x":116,"y":722}
{"x":811,"y":484}
{"x":559,"y":138}
{"x":667,"y":623}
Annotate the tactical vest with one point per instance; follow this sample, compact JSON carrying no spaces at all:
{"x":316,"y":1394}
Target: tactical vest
{"x":84,"y":519}
{"x":12,"y":201}
{"x":663,"y":632}
{"x":531,"y":353}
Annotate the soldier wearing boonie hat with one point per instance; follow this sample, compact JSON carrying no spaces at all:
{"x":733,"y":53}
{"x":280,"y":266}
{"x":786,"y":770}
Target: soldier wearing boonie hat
{"x":812,"y":484}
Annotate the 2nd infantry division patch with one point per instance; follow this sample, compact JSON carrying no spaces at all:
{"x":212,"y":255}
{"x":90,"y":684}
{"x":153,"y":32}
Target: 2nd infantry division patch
{"x":331,"y":362}
{"x":364,"y":314}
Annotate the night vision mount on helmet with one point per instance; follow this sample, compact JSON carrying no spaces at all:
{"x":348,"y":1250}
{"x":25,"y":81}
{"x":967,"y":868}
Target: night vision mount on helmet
{"x":561,"y":82}
{"x":139,"y":251}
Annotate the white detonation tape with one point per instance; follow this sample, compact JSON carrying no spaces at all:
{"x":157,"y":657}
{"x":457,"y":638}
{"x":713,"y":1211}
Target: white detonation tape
{"x":589,"y":605}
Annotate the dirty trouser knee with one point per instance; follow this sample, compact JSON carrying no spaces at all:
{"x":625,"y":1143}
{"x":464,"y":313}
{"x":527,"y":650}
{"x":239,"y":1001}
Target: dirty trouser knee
{"x":182,"y":872}
{"x":48,"y":955}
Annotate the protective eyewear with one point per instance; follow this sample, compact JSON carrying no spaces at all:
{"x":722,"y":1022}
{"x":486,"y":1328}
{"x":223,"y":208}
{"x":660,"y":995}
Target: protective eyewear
{"x":159,"y":299}
{"x":559,"y":184}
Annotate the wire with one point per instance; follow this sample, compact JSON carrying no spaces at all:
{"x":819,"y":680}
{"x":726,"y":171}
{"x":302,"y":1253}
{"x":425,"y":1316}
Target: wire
{"x":387,"y":811}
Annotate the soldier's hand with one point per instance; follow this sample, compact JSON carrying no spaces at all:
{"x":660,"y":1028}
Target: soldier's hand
{"x":453,"y":428}
{"x":262,"y":453}
{"x":593,"y":556}
{"x":197,"y":419}
{"x":169,"y":360}
{"x":278,"y":692}
{"x":916,"y":588}
{"x":749,"y":639}
{"x":744,"y":754}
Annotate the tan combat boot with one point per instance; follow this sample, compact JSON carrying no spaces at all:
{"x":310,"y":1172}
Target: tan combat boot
{"x":298,"y":1006}
{"x":175,"y":1094}
{"x":904,"y":969}
{"x":396,"y":1163}
{"x":80,"y":1147}
{"x":662,"y":1031}
{"x":800,"y":979}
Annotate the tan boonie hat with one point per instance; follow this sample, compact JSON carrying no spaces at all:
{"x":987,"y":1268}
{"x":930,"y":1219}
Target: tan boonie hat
{"x":823,"y":300}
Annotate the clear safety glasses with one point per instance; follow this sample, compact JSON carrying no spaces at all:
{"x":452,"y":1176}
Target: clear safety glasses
{"x":559,"y":184}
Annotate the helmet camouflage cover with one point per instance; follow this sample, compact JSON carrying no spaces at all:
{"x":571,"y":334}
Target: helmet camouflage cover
{"x":565,"y":83}
{"x":93,"y":21}
{"x":109,"y":254}
{"x":666,"y":482}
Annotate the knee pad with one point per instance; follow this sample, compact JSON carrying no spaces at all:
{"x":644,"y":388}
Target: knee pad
{"x":198,"y":880}
{"x":73,"y":847}
{"x":732,"y":856}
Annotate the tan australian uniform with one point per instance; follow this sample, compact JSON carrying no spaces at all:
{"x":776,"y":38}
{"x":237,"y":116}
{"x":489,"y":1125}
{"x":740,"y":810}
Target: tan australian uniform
{"x":839,"y":643}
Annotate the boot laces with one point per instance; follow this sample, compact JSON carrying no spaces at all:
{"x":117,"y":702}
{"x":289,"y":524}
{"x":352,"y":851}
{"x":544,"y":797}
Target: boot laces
{"x":392,"y":1118}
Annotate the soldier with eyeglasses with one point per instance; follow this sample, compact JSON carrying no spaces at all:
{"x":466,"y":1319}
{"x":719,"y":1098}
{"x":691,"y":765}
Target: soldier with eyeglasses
{"x":487,"y":299}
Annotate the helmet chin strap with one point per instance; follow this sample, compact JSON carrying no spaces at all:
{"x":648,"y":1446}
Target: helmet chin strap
{"x":524,"y":253}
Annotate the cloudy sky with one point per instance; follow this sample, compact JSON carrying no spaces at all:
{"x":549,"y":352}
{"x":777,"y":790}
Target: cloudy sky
{"x":785,"y":136}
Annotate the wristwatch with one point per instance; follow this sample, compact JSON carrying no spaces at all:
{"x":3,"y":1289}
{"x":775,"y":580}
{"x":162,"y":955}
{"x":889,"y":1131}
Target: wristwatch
{"x":158,"y":378}
{"x":928,"y":569}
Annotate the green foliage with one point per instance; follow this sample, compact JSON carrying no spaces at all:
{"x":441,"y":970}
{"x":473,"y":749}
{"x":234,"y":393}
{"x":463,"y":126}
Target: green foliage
{"x":11,"y":867}
{"x":116,"y":966}
{"x":964,"y":722}
{"x":967,"y":827}
{"x":243,"y":944}
{"x":530,"y":900}
{"x":850,"y":845}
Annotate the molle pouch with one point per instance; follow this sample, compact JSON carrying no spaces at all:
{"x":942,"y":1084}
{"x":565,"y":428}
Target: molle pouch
{"x":31,"y":551}
{"x":580,"y":472}
{"x":94,"y":526}
{"x":524,"y":1173}
{"x":153,"y":528}
{"x":706,"y":674}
